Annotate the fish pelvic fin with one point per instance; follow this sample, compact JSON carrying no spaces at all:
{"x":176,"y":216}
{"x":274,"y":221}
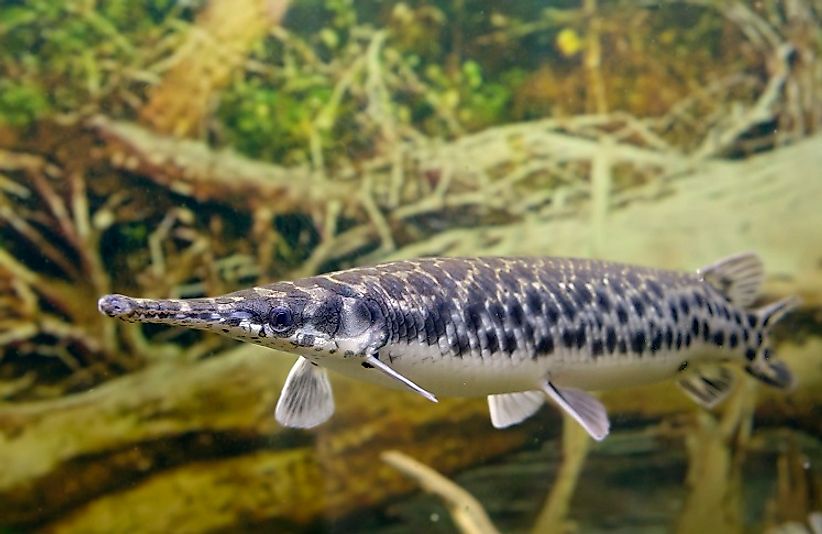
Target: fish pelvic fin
{"x":739,"y":277}
{"x":306,"y":400}
{"x":583,"y":407}
{"x":762,"y":366}
{"x":508,"y":409}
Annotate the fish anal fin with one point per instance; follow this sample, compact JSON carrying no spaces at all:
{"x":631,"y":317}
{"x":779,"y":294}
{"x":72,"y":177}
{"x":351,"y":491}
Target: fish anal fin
{"x":306,"y":400}
{"x":508,"y":409}
{"x":737,"y":277}
{"x":583,"y":407}
{"x":708,"y":385}
{"x":773,"y":373}
{"x":384,"y":368}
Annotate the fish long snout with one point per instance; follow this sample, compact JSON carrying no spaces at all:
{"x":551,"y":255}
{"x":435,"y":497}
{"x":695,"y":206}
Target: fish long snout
{"x":202,"y":313}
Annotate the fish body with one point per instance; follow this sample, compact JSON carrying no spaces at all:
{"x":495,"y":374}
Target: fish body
{"x":517,"y":330}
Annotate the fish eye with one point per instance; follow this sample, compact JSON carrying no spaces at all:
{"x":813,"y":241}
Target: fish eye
{"x":281,"y":319}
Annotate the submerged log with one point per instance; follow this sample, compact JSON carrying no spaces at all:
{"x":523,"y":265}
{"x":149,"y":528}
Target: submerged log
{"x":200,"y":438}
{"x":199,"y":434}
{"x":193,"y":169}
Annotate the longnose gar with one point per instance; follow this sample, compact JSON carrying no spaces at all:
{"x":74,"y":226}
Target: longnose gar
{"x":518,"y":330}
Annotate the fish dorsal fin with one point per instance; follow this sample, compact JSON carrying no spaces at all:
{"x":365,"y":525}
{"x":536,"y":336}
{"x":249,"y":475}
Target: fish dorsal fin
{"x":508,"y":409}
{"x":306,"y":400}
{"x":709,"y":385}
{"x":407,"y":382}
{"x":737,"y":277}
{"x":583,"y":407}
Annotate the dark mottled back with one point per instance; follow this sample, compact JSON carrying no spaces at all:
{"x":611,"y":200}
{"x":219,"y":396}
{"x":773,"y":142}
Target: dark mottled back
{"x":532,"y":307}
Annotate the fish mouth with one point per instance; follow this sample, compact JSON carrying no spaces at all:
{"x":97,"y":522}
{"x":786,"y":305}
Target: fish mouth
{"x":313,"y":340}
{"x":304,"y":340}
{"x":117,"y":306}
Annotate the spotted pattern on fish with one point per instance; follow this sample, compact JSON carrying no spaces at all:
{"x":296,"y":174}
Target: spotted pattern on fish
{"x":517,"y":308}
{"x":531,"y":308}
{"x":515,"y":329}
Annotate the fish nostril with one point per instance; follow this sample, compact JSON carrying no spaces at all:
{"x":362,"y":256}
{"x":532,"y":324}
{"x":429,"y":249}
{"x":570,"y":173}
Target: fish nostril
{"x":116,"y":305}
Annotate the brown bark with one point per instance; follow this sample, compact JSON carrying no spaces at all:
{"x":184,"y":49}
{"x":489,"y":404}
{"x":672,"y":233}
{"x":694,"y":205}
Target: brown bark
{"x":193,"y":169}
{"x":221,"y":39}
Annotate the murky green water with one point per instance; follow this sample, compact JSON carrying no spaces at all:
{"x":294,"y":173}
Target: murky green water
{"x":187,"y":149}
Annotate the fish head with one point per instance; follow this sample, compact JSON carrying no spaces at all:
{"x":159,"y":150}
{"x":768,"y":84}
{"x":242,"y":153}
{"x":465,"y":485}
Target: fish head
{"x":309,"y":321}
{"x":317,"y":321}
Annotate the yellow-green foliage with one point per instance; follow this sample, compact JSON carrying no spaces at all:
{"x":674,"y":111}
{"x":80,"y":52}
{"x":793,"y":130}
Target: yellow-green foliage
{"x":339,"y":74}
{"x":63,"y":56}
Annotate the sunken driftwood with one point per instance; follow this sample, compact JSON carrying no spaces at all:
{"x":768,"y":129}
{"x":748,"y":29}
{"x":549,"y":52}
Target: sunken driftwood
{"x":191,"y":168}
{"x":199,"y":437}
{"x":201,"y":440}
{"x":479,"y":176}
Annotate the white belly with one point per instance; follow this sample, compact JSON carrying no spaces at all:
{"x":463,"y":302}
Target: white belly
{"x":445,"y":376}
{"x":471,"y":376}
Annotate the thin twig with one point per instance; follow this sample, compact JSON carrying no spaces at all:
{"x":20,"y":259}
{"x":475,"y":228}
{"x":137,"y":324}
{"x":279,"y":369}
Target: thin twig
{"x":469,"y":515}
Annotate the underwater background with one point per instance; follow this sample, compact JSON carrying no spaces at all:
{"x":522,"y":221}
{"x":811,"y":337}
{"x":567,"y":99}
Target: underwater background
{"x":166,"y":148}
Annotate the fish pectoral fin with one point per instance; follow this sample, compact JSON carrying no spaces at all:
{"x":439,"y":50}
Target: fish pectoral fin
{"x":708,"y":385}
{"x":306,"y":400}
{"x":583,"y":407}
{"x":388,"y":371}
{"x":508,"y":409}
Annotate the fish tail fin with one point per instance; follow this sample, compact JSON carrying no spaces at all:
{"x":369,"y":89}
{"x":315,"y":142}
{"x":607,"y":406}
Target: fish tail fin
{"x":772,"y":313}
{"x":762,"y":366}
